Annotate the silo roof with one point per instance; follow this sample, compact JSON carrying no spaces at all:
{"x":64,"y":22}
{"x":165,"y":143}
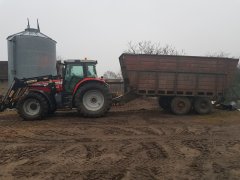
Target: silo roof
{"x":30,"y":32}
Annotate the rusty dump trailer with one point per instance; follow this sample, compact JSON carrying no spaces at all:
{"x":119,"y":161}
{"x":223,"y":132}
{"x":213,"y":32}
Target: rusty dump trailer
{"x":182,"y":83}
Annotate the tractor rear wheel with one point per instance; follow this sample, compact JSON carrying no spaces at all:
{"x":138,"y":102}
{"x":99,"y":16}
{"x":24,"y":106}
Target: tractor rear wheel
{"x":202,"y":105}
{"x":32,"y":107}
{"x":93,"y":100}
{"x":181,"y":105}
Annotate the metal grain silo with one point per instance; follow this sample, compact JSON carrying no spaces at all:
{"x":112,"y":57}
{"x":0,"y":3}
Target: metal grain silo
{"x":31,"y":54}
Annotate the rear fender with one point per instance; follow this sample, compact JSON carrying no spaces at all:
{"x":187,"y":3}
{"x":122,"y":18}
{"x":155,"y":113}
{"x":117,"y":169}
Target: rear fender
{"x":85,"y":81}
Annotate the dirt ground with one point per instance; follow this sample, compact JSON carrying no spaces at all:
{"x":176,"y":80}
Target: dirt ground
{"x":135,"y":141}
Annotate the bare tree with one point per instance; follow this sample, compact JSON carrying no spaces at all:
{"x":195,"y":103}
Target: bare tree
{"x":119,"y":75}
{"x":112,"y":75}
{"x":148,"y":47}
{"x":219,"y":54}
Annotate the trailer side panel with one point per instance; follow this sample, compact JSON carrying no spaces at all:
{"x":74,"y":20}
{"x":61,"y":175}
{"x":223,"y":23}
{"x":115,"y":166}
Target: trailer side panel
{"x":157,"y":75}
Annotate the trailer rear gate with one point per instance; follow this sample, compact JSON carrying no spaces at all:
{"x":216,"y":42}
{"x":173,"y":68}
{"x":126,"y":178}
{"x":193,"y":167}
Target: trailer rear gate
{"x":164,"y":75}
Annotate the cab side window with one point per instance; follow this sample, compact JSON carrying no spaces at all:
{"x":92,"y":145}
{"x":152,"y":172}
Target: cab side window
{"x":91,"y":71}
{"x":74,"y":73}
{"x":73,"y":70}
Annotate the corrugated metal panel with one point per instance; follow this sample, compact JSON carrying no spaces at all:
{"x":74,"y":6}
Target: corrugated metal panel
{"x":30,"y":54}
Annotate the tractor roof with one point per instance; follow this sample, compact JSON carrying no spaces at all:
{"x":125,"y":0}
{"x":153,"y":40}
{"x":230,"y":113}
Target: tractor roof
{"x":76,"y":61}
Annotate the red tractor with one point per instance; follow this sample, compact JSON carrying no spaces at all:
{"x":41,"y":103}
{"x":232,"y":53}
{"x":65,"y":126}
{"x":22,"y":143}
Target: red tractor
{"x":78,"y":87}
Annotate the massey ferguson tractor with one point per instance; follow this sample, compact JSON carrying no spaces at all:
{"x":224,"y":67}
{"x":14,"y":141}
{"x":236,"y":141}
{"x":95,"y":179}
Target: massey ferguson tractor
{"x":78,"y":87}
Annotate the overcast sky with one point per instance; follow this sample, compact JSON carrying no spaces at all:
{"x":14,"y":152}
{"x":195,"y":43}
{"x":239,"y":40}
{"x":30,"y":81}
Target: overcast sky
{"x":101,"y":29}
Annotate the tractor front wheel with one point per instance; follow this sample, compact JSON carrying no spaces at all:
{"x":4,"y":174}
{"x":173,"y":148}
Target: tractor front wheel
{"x":32,"y":107}
{"x":93,"y":100}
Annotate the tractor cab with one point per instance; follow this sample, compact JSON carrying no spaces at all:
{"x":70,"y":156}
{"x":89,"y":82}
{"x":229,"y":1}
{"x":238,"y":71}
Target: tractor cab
{"x":75,"y":71}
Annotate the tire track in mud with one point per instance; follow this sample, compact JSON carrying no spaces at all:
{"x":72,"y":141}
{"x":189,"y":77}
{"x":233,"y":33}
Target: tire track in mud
{"x":128,"y":146}
{"x":201,"y":165}
{"x":21,"y":152}
{"x":154,"y":151}
{"x":197,"y":165}
{"x":94,"y":151}
{"x":32,"y":168}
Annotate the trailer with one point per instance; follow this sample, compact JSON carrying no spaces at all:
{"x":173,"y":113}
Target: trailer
{"x":181,"y":83}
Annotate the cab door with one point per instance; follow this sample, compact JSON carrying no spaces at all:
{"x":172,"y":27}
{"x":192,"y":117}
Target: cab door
{"x":73,"y":74}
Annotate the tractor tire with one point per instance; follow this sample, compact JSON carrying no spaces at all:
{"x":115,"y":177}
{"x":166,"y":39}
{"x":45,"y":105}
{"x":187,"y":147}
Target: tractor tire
{"x":181,"y":105}
{"x":202,"y":105}
{"x":32,"y":107}
{"x":93,"y":100}
{"x":165,"y":102}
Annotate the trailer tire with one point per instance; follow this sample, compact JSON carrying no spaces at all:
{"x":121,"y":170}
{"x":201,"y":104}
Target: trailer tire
{"x":202,"y":105}
{"x":180,"y":105}
{"x":93,"y":99}
{"x":32,"y":107}
{"x":165,"y":102}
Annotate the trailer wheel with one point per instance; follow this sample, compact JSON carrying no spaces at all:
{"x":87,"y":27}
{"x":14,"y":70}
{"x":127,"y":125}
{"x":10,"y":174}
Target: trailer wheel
{"x":165,"y":102}
{"x":93,"y":100}
{"x":203,"y":105}
{"x":32,"y":107}
{"x":180,"y":105}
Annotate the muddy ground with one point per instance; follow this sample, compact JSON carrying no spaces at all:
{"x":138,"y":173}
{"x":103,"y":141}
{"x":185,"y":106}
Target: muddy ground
{"x":136,"y":141}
